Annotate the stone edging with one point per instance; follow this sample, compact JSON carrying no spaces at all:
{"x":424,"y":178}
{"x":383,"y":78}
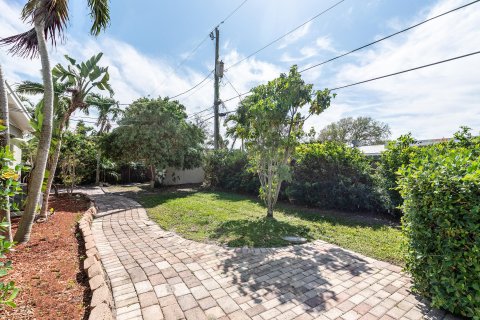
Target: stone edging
{"x":102,"y":301}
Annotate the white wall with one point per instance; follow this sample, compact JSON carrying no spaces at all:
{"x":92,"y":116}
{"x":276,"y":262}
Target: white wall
{"x":177,"y":176}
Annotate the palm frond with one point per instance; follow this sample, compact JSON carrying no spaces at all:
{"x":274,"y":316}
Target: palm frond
{"x":55,"y":15}
{"x":100,"y":14}
{"x":29,"y":87}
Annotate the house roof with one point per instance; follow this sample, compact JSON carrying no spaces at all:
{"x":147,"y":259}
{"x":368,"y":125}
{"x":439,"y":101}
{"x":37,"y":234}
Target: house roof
{"x":19,"y":116}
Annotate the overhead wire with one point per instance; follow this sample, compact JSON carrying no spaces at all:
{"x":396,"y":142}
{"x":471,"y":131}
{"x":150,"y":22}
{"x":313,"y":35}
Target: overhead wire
{"x":372,"y":43}
{"x":388,"y":37}
{"x":284,"y":35}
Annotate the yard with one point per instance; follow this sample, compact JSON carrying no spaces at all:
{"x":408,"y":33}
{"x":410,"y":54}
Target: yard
{"x":238,"y":220}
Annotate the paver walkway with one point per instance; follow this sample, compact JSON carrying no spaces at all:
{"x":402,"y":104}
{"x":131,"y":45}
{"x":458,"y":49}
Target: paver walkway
{"x":156,"y":274}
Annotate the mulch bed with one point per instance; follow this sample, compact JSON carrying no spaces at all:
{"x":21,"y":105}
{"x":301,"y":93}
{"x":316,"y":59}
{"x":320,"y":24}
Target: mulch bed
{"x":48,"y":268}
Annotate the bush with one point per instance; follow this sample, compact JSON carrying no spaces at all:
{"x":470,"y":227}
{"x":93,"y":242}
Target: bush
{"x":441,"y":191}
{"x":397,"y":154}
{"x":229,"y":170}
{"x":332,"y":175}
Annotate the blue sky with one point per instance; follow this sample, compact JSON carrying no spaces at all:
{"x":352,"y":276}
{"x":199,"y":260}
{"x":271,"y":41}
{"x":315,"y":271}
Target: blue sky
{"x":145,"y":42}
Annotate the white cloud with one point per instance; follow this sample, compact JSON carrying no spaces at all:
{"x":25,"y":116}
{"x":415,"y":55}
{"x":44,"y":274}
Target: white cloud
{"x":433,"y":102}
{"x":321,"y":46}
{"x":295,"y":36}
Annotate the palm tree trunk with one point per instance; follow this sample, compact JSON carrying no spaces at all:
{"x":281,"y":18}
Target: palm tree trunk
{"x":53,"y":167}
{"x":4,"y":110}
{"x":5,"y":141}
{"x":38,"y":173}
{"x":97,"y":174}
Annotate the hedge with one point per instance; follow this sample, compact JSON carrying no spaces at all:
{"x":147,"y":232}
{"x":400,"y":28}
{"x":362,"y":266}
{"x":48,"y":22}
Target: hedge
{"x":441,"y":222}
{"x":332,"y":175}
{"x":229,"y":170}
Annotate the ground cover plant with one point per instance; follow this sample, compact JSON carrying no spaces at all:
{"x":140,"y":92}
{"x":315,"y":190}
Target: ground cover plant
{"x":239,"y":220}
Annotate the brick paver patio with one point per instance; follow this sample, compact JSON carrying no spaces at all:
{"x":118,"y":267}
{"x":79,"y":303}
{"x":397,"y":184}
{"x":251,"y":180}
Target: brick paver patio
{"x":156,"y":274}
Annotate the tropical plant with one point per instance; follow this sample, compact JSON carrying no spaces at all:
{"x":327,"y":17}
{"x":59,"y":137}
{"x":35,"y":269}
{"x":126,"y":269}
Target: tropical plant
{"x":155,"y":132}
{"x":4,"y":142}
{"x":361,"y":131}
{"x":271,"y":123}
{"x":441,"y":223}
{"x":108,"y":111}
{"x":78,"y":80}
{"x":49,"y":19}
{"x":9,"y":187}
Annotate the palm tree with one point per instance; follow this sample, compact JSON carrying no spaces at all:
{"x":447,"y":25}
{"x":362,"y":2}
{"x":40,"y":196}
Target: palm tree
{"x":77,"y":80}
{"x":49,"y":18}
{"x":108,"y":110}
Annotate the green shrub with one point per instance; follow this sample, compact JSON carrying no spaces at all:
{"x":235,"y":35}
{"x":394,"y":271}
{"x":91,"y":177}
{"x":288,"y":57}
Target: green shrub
{"x":332,"y":175}
{"x":397,"y":154}
{"x":441,"y":191}
{"x":229,"y":170}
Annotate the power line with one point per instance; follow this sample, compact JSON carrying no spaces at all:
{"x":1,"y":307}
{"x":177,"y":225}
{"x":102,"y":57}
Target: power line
{"x":233,"y":12}
{"x":231,"y":84}
{"x":405,"y":71}
{"x":199,"y":112}
{"x":187,"y":91}
{"x":191,"y":53}
{"x":388,"y":75}
{"x":283,"y":36}
{"x":389,"y":36}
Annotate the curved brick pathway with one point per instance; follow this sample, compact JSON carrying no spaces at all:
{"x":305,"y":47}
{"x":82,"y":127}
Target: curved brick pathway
{"x":158,"y":275}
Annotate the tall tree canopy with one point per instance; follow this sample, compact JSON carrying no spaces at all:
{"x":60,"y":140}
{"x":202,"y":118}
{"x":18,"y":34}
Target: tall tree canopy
{"x":361,"y":131}
{"x":271,"y":123}
{"x":155,"y":132}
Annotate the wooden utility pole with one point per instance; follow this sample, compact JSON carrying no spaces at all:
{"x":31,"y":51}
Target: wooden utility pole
{"x":216,"y":95}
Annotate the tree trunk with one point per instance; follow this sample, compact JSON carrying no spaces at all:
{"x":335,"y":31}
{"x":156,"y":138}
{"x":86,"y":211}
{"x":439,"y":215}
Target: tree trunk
{"x":97,"y":174}
{"x":5,"y":141}
{"x":152,"y":179}
{"x":4,"y":110}
{"x":38,"y":172}
{"x":270,"y":211}
{"x":53,"y":167}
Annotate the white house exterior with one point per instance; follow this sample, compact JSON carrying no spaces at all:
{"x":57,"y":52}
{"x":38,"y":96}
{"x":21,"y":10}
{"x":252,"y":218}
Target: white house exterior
{"x":19,"y":122}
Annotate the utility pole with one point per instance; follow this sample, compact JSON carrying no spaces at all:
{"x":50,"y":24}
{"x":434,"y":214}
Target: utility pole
{"x":216,"y":95}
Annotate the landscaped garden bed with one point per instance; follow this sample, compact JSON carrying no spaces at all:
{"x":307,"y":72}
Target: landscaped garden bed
{"x":47,"y":269}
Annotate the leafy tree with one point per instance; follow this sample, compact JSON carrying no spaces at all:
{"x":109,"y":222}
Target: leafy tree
{"x":108,"y":110}
{"x":361,"y":131}
{"x":49,"y":19}
{"x":78,"y":156}
{"x":271,"y":123}
{"x":155,"y":132}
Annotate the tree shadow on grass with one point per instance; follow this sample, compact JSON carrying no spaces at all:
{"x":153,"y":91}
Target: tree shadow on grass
{"x":261,"y":232}
{"x":300,"y":275}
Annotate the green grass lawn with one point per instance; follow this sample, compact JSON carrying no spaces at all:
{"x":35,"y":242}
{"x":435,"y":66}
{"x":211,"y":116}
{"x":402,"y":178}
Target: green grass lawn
{"x":238,"y":220}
